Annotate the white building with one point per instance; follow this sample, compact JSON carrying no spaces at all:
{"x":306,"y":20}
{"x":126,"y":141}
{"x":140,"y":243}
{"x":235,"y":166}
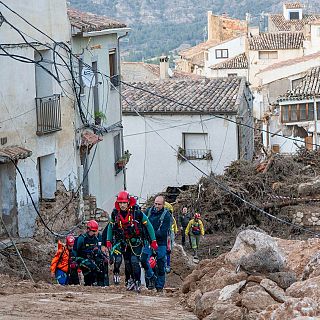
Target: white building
{"x":95,"y":40}
{"x":37,"y":127}
{"x":205,"y":133}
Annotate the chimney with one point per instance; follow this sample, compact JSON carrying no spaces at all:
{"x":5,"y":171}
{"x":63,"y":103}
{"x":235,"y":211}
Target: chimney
{"x":164,"y":66}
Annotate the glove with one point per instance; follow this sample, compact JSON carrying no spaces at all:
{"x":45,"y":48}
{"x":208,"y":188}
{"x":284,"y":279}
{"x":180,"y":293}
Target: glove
{"x":109,"y":245}
{"x":154,"y":245}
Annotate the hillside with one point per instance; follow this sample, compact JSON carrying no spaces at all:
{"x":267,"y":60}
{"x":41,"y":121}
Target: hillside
{"x":162,"y":26}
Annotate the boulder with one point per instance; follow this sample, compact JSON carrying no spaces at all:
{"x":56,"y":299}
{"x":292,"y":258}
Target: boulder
{"x":255,"y":298}
{"x":231,"y":292}
{"x":205,"y":304}
{"x":309,"y":288}
{"x":272,"y":288}
{"x":193,"y":299}
{"x":283,"y":279}
{"x":250,"y":241}
{"x":189,"y":280}
{"x":312,"y":269}
{"x":263,"y":261}
{"x":225,"y":311}
{"x":292,"y":309}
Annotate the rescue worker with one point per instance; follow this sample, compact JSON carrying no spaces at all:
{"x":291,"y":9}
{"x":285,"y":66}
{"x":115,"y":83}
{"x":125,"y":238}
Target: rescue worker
{"x":125,"y":234}
{"x":90,"y":258}
{"x":171,"y":237}
{"x":161,"y":222}
{"x":195,"y":229}
{"x":60,"y":264}
{"x":184,"y":219}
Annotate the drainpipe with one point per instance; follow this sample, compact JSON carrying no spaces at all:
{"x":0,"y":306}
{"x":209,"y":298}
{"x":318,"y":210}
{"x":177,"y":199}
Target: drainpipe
{"x":120,"y":96}
{"x":315,"y":122}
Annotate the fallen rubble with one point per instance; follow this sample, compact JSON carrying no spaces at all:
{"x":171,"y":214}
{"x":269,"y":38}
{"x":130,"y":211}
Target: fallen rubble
{"x":247,"y":283}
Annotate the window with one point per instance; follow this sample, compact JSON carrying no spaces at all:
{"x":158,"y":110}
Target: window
{"x":95,"y":89}
{"x":268,"y":55}
{"x":114,"y":78}
{"x":47,"y":176}
{"x":294,"y":15}
{"x":222,"y":53}
{"x":232,"y":75}
{"x":298,"y":112}
{"x":195,"y":146}
{"x":117,"y":151}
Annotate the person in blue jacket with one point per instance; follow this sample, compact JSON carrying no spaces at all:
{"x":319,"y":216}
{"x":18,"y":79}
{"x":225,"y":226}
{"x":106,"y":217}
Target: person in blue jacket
{"x":160,"y":219}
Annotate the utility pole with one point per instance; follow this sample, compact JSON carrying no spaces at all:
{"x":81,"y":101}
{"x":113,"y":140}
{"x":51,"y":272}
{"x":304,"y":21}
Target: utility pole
{"x":315,"y":122}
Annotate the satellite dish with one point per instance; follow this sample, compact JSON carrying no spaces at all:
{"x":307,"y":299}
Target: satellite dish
{"x":170,"y":73}
{"x":87,"y":76}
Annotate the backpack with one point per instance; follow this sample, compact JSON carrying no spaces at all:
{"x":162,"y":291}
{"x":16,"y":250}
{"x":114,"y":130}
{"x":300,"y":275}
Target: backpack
{"x":195,"y":228}
{"x":163,"y":214}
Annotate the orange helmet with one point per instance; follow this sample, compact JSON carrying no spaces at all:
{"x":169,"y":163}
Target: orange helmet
{"x":92,"y":225}
{"x":70,"y":240}
{"x":197,"y":215}
{"x":152,"y":262}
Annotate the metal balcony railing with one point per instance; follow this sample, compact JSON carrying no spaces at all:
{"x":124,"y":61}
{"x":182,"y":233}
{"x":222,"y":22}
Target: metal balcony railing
{"x":48,"y":114}
{"x":195,"y":154}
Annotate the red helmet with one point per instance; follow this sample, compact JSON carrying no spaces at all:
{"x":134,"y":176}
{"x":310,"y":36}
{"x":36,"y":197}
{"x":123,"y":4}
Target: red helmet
{"x":70,"y":240}
{"x":197,"y":215}
{"x":152,"y":262}
{"x":92,"y":225}
{"x":123,"y":196}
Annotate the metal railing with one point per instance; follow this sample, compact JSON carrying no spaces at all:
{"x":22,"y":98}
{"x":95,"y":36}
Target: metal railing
{"x":48,"y":114}
{"x":196,"y":154}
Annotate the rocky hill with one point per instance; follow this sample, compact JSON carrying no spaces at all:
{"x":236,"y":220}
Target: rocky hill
{"x":161,"y":26}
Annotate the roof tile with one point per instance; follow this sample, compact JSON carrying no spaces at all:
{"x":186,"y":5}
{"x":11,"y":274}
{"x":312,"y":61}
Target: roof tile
{"x":238,"y":62}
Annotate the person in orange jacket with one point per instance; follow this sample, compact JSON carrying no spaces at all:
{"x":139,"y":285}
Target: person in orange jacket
{"x":60,"y":263}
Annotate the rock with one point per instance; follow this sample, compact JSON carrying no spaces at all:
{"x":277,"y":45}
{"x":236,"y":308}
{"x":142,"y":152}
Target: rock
{"x":309,"y":288}
{"x":189,"y":280}
{"x":193,"y":299}
{"x":225,"y":311}
{"x":272,"y":288}
{"x":250,"y":241}
{"x":256,"y":278}
{"x":312,"y":268}
{"x":255,"y":298}
{"x":205,"y":304}
{"x":283,"y":279}
{"x":263,"y":261}
{"x":292,"y":309}
{"x":232,"y":291}
{"x":220,"y":279}
{"x":309,"y":188}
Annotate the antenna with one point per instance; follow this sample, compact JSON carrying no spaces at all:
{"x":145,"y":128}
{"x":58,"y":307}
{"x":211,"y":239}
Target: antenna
{"x":170,"y":73}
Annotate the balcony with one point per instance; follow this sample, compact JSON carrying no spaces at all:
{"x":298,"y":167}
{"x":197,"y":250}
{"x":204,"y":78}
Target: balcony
{"x":194,"y":154}
{"x":48,"y":114}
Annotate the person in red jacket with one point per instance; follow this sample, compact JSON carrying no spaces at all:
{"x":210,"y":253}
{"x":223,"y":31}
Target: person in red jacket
{"x":61,"y":260}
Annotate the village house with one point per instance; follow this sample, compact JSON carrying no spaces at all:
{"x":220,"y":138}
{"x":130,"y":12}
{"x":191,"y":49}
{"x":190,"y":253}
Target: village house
{"x":220,"y":29}
{"x":95,"y":41}
{"x":37,"y":122}
{"x":196,"y":118}
{"x":296,"y":114}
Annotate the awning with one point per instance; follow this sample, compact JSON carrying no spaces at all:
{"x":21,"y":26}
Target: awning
{"x":88,"y":139}
{"x":13,"y":153}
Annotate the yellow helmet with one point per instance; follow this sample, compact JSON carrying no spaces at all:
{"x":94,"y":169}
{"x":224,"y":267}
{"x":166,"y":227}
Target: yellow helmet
{"x":168,"y":206}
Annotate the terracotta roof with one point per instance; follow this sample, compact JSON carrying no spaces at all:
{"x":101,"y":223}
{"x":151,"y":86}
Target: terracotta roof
{"x":13,"y":153}
{"x":201,"y":47}
{"x":309,"y":87}
{"x":276,"y":41}
{"x":293,"y":5}
{"x":155,"y":70}
{"x":86,"y":21}
{"x":291,"y":62}
{"x":282,"y":24}
{"x":215,"y":95}
{"x":238,"y":62}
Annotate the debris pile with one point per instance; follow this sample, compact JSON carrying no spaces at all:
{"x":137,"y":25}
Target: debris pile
{"x":278,"y":185}
{"x":260,"y":278}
